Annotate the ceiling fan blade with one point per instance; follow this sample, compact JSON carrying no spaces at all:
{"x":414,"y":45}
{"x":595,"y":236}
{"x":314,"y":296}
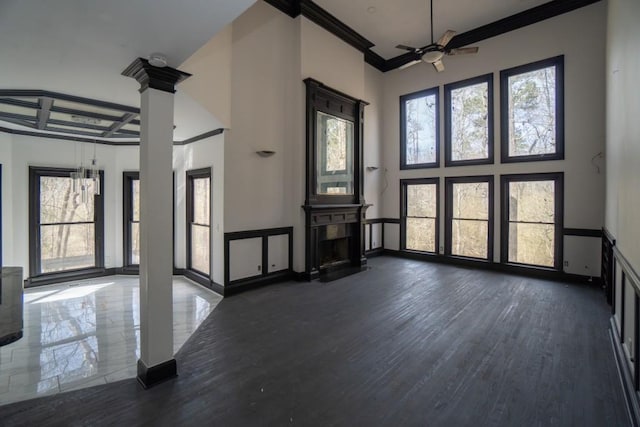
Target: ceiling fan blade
{"x":439,"y":66}
{"x":409,"y":64}
{"x":446,"y":38}
{"x":463,"y":50}
{"x":404,"y":47}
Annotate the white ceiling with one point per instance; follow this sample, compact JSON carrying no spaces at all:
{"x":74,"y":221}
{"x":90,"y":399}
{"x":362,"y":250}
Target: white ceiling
{"x":80,"y":47}
{"x":407,"y":21}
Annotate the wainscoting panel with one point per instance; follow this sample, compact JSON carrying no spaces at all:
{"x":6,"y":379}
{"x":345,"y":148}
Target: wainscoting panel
{"x":278,"y":253}
{"x":625,"y":330}
{"x":257,"y":257}
{"x":582,"y":255}
{"x":392,"y":236}
{"x":245,"y":258}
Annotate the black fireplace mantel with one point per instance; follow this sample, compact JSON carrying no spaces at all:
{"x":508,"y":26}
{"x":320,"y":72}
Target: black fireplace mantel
{"x":341,"y":213}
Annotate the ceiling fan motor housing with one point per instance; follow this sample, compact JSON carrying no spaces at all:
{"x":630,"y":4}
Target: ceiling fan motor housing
{"x":433,"y":54}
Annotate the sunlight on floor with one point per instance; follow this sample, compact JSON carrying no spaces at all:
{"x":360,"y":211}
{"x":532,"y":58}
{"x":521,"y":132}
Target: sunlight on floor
{"x":86,"y":333}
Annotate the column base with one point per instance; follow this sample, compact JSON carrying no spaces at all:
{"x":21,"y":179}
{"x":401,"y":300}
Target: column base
{"x":150,"y":376}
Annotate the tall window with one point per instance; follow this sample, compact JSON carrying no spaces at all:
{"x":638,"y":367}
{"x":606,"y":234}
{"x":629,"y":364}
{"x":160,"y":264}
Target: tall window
{"x":131,"y":205}
{"x":66,"y":234}
{"x":532,"y":219}
{"x":199,"y":220}
{"x":532,"y":111}
{"x":420,"y":214}
{"x":469,"y":121}
{"x":419,"y":130}
{"x":469,"y":228}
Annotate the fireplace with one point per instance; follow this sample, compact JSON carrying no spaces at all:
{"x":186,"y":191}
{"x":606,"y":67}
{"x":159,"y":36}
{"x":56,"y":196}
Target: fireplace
{"x":334,"y":197}
{"x":334,"y":245}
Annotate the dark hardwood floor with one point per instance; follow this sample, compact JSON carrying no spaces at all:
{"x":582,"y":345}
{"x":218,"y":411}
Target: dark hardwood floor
{"x":405,"y":343}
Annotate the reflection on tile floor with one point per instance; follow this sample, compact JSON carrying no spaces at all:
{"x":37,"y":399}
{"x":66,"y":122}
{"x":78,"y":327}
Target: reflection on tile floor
{"x":85,"y":333}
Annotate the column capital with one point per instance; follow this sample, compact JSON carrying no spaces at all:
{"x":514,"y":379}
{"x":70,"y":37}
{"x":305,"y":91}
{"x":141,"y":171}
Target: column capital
{"x":161,"y":78}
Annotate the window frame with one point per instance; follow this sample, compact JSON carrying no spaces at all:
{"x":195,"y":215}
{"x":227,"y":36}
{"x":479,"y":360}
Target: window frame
{"x":558,"y":63}
{"x":448,"y":88}
{"x":127,"y":216}
{"x":449,"y":181}
{"x":404,"y":183}
{"x":403,"y":131}
{"x":190,"y":176}
{"x":36,"y":276}
{"x":505,"y":180}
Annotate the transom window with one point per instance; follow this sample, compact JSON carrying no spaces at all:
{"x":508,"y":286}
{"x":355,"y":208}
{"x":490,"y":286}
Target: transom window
{"x":469,"y":121}
{"x":532,"y":219}
{"x":419,"y":129}
{"x":66,"y":233}
{"x":420,"y":214}
{"x":470,"y":217}
{"x":532,"y":111}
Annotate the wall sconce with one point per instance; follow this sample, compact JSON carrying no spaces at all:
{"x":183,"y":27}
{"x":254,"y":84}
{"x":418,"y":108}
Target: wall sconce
{"x":372,"y":168}
{"x":265,"y":153}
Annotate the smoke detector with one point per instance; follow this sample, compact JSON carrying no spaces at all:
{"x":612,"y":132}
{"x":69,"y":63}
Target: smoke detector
{"x":158,"y":60}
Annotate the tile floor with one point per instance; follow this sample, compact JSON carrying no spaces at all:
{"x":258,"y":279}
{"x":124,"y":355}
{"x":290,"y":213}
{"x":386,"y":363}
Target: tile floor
{"x":84,"y":333}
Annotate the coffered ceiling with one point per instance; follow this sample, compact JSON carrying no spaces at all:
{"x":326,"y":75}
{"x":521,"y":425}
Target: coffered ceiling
{"x":80,"y":48}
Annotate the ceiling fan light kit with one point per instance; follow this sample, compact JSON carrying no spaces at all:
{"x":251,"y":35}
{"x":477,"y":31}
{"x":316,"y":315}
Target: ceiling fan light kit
{"x":435,"y":51}
{"x":432,"y":56}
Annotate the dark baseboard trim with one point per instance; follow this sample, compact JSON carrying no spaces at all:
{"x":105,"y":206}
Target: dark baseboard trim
{"x":196,"y":277}
{"x":128,"y":271}
{"x":154,"y":375}
{"x":242,"y":285}
{"x":540,"y":273}
{"x":50,"y":279}
{"x":626,"y":381}
{"x":374,"y":252}
{"x":583,"y":232}
{"x":391,"y":220}
{"x":8,"y":339}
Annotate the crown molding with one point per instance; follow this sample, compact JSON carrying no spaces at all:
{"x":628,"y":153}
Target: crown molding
{"x":320,"y":16}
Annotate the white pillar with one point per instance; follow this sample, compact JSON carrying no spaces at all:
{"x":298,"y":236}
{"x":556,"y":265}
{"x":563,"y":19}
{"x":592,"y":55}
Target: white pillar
{"x":156,"y":362}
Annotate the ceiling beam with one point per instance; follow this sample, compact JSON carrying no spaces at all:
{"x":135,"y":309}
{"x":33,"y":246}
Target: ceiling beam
{"x":30,"y":93}
{"x":290,"y":7}
{"x":31,"y":125}
{"x":116,"y":126}
{"x":20,"y":103}
{"x":15,"y":116}
{"x":44,"y":112}
{"x":517,"y":21}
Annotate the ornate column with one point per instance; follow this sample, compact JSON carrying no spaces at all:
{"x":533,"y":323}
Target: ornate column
{"x":157,"y":86}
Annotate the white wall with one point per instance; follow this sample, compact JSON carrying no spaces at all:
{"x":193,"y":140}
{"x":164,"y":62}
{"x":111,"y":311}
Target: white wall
{"x":623,"y":127}
{"x":373,"y":125}
{"x":265,"y":84}
{"x":210,"y":83}
{"x":579,"y":36}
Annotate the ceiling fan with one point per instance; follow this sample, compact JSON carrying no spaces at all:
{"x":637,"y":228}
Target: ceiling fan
{"x":434,"y":52}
